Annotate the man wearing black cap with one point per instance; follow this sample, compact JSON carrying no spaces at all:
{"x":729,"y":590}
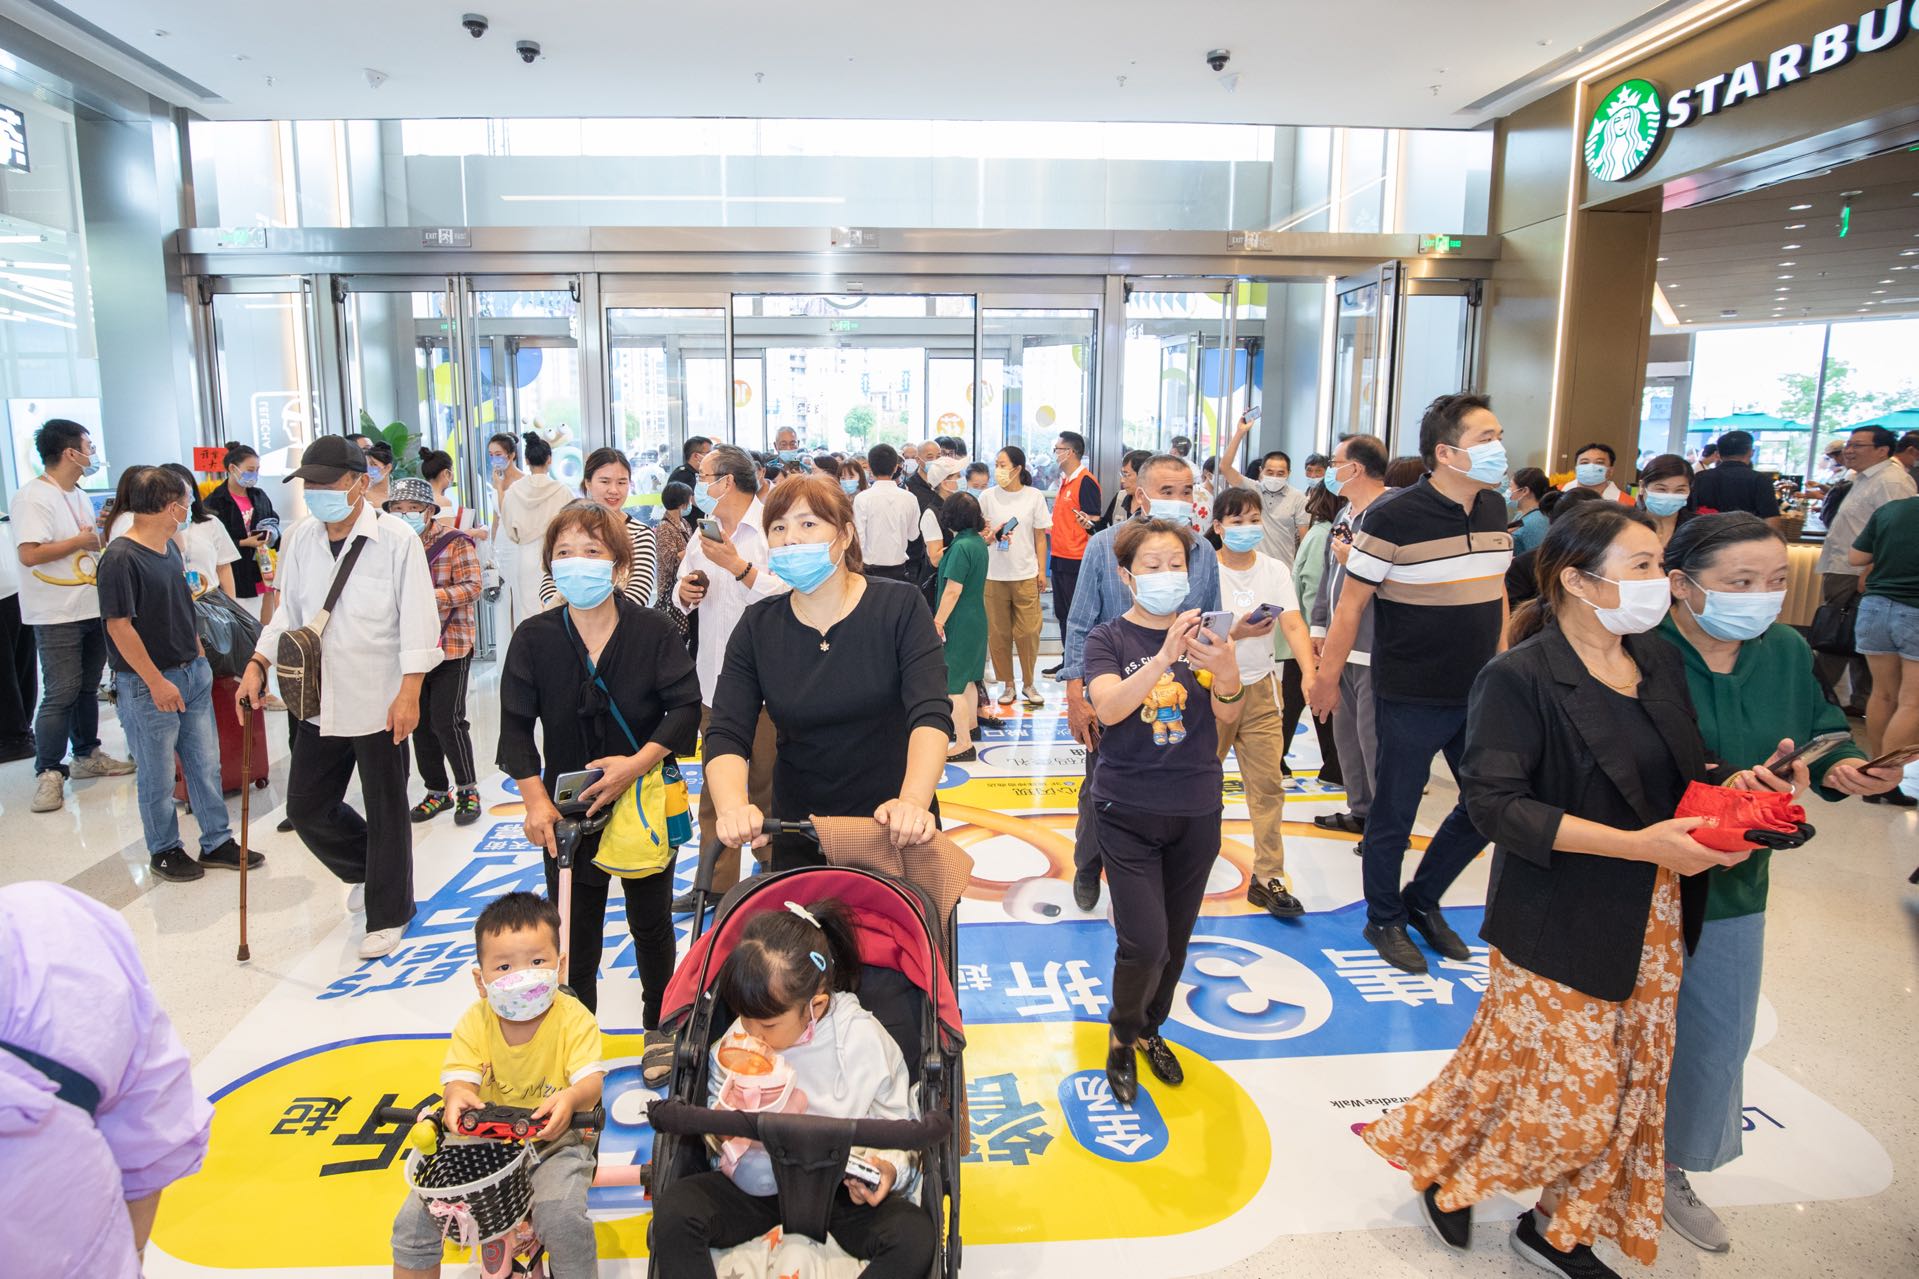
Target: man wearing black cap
{"x":380,"y":640}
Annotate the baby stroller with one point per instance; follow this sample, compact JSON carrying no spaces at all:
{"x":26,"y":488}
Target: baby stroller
{"x":904,"y":905}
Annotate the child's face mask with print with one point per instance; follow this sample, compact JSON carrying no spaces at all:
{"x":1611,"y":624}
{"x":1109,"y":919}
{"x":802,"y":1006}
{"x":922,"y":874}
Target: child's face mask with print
{"x":519,"y":972}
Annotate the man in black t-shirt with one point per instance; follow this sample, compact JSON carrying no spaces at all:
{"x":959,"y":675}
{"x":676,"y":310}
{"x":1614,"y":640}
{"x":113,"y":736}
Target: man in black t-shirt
{"x":163,"y":685}
{"x":1431,"y":560}
{"x":1733,"y":485}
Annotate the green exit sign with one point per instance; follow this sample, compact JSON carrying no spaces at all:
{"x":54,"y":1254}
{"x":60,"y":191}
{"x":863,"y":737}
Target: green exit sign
{"x":1440,"y":243}
{"x":846,"y":326}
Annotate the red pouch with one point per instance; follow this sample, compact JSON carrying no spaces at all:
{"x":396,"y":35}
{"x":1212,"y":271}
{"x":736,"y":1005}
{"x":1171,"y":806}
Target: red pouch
{"x":1731,"y":815}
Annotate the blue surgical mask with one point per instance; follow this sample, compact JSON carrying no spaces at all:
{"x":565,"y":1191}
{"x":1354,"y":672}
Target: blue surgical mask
{"x":248,"y":479}
{"x":909,"y":467}
{"x":804,"y":566}
{"x":374,"y":474}
{"x":1331,"y":479}
{"x":497,"y":462}
{"x":1663,"y":504}
{"x":329,"y":506}
{"x":585,"y":583}
{"x":1161,"y":594}
{"x":1178,"y":510}
{"x":702,"y":495}
{"x":1737,"y":615}
{"x":1489,"y":462}
{"x":850,"y":487}
{"x":1242,"y":537}
{"x":1590,"y":474}
{"x":93,"y":465}
{"x":414,"y":520}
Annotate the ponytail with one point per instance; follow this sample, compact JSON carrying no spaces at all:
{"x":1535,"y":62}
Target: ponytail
{"x":786,"y":957}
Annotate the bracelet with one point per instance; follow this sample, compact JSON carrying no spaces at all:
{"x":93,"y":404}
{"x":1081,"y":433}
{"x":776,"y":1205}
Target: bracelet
{"x":1221,"y":697}
{"x":741,"y":575}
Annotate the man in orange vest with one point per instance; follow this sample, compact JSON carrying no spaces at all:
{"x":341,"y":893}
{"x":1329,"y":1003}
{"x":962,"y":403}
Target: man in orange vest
{"x":1075,"y":511}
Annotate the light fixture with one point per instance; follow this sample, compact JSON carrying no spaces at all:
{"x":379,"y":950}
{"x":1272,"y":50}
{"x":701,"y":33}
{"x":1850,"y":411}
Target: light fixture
{"x":1788,"y":264}
{"x":1887,"y":281}
{"x":1786,"y":277}
{"x":1659,"y":259}
{"x":1877,"y":292}
{"x":1795,"y":226}
{"x":1799,"y":208}
{"x":1788,"y":248}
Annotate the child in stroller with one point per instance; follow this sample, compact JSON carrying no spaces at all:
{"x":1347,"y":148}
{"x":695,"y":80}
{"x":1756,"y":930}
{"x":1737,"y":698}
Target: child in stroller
{"x":792,"y":983}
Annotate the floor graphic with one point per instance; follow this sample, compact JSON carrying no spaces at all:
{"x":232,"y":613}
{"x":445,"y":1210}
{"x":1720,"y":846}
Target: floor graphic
{"x":1292,"y":1033}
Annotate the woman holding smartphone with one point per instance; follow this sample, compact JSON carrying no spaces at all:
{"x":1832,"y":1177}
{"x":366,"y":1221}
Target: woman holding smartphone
{"x":1756,"y":698}
{"x":610,"y":685}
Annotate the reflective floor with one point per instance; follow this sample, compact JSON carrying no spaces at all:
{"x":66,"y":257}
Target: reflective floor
{"x":1292,"y":1033}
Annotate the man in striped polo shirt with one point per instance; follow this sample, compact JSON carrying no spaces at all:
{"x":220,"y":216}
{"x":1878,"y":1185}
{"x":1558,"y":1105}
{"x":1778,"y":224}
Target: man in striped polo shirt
{"x":1431,"y":560}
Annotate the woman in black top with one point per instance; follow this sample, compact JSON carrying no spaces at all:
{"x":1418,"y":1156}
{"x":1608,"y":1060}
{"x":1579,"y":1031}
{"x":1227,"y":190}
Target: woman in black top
{"x":1579,"y":743}
{"x":251,"y":528}
{"x":851,"y":672}
{"x":643,"y":670}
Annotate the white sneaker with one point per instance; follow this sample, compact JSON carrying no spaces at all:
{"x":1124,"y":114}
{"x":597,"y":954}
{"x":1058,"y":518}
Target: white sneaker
{"x":356,"y":900}
{"x":101,"y":764}
{"x":51,"y":794}
{"x":1695,"y":1222}
{"x":381,"y":942}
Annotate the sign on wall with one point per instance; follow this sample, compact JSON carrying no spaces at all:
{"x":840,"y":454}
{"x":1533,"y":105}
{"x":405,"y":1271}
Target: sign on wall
{"x":1630,"y":120}
{"x":13,"y":140}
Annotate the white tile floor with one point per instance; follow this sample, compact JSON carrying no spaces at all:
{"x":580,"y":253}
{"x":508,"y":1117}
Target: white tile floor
{"x":1841,"y":972}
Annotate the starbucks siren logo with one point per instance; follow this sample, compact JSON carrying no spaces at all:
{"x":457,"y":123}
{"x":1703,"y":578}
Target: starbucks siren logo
{"x":1624,"y":131}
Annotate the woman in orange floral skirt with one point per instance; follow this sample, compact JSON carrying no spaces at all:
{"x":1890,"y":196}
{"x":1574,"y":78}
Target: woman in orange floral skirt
{"x":1579,"y":743}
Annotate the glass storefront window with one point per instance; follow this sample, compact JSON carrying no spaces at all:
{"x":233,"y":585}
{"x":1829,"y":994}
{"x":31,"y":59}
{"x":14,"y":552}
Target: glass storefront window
{"x":667,"y":372}
{"x":1044,"y":361}
{"x":527,"y":345}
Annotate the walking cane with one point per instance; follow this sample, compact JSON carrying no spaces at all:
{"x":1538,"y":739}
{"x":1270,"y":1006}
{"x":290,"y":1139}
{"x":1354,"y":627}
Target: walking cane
{"x":246,"y":811}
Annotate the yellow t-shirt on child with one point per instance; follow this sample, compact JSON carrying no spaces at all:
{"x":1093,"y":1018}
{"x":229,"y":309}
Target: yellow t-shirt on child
{"x":563,"y":1051}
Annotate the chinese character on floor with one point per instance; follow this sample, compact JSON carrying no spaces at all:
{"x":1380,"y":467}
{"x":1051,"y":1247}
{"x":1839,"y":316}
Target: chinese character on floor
{"x":1379,"y":982}
{"x":1079,"y":990}
{"x":309,"y":1115}
{"x":1006,"y":1129}
{"x":388,"y":1137}
{"x":1118,"y":1126}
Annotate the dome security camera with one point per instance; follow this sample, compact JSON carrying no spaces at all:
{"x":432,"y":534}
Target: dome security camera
{"x":475,"y":24}
{"x":529,"y":51}
{"x":1218,"y":58}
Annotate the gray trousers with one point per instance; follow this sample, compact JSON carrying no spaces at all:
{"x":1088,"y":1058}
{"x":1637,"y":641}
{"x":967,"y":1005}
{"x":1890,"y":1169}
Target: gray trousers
{"x":559,"y":1215}
{"x":1353,"y":731}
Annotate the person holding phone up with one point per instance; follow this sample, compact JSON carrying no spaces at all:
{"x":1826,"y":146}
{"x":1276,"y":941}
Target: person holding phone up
{"x":1756,"y":698}
{"x":611,"y":687}
{"x":1253,"y":586}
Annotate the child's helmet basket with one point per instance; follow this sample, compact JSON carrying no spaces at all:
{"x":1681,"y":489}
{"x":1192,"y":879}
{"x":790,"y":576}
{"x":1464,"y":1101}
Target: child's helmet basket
{"x":476,"y":1191}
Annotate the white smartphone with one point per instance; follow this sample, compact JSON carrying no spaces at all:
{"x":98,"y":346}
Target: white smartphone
{"x":1220,"y":623}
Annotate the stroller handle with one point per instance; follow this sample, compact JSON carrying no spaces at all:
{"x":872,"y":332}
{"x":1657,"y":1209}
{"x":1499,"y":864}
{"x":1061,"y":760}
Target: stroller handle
{"x":594,"y":1118}
{"x":709,"y":857}
{"x":679,"y":1118}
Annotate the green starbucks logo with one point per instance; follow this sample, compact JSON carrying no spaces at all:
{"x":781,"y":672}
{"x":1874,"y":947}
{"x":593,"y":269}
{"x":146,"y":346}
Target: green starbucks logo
{"x":1624,"y":131}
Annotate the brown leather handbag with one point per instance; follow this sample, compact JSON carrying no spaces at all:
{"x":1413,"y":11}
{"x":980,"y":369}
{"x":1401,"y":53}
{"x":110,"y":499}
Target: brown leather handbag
{"x":297,"y":660}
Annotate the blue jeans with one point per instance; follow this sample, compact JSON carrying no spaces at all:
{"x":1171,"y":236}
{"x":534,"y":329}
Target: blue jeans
{"x":72,"y":655}
{"x":1409,"y":734}
{"x":155,"y":736}
{"x":1718,"y":1008}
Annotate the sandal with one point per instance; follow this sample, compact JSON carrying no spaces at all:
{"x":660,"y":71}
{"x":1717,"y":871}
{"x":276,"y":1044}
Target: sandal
{"x":656,"y":1058}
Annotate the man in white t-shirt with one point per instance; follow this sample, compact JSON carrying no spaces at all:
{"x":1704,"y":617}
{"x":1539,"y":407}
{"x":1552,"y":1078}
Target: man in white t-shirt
{"x":893,"y":529}
{"x":57,"y":545}
{"x":19,"y":678}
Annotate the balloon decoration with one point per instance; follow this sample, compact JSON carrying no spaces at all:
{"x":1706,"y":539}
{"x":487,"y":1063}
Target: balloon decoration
{"x":1044,"y":415}
{"x":950,"y":423}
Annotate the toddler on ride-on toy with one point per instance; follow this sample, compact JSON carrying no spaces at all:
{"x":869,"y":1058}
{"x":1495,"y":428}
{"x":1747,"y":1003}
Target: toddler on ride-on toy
{"x":525,"y":1044}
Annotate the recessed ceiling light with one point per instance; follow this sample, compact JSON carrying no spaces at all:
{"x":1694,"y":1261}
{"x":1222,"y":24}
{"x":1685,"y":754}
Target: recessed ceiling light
{"x":1786,"y":277}
{"x":1799,"y":208}
{"x":1876,"y":292}
{"x":1659,"y":259}
{"x":1886,"y":281}
{"x":1909,"y":253}
{"x":1795,"y":226}
{"x":1844,"y":194}
{"x":1788,"y":248}
{"x":1788,"y":264}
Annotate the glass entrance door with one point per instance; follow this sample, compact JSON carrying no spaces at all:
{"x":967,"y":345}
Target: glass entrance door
{"x":843,"y":373}
{"x":400,"y":343}
{"x":1362,"y":321}
{"x":265,"y":395}
{"x":1175,"y":383}
{"x":1043,"y":358}
{"x":666,"y":379}
{"x":526,"y":352}
{"x":1435,"y":337}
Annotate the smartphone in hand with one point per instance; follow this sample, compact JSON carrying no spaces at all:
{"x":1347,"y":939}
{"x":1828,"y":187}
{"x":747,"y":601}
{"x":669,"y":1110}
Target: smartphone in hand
{"x":710,"y":530}
{"x":1265,"y":612}
{"x":1219,"y":622}
{"x":1810,"y":753}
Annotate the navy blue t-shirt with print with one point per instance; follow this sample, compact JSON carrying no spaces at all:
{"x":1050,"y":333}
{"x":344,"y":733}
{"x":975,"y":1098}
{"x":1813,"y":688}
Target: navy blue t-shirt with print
{"x":1164,"y":757}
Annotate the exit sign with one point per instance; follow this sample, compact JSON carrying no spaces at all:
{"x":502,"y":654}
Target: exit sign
{"x":846,"y":326}
{"x":1440,"y":243}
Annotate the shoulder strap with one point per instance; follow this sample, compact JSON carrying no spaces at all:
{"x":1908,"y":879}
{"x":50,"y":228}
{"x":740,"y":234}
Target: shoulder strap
{"x":340,"y":576}
{"x":433,"y":552}
{"x":71,"y":1086}
{"x":593,"y":673}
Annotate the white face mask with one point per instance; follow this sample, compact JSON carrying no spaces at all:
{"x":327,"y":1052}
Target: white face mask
{"x":1642,"y":604}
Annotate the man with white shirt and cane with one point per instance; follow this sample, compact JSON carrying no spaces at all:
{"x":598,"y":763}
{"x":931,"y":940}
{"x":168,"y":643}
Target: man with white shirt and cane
{"x":358,"y":577}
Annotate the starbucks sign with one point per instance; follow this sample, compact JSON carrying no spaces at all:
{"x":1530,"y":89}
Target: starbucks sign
{"x":1624,"y":131}
{"x":1627,"y":125}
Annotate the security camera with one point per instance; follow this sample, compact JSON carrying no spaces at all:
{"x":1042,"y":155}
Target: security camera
{"x":1218,"y":59}
{"x":475,"y":24}
{"x":529,"y":51}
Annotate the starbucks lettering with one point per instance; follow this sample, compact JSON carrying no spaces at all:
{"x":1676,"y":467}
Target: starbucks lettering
{"x":1628,"y":124}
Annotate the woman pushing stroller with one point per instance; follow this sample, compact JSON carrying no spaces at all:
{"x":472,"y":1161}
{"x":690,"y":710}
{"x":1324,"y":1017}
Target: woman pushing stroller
{"x":792,"y":982}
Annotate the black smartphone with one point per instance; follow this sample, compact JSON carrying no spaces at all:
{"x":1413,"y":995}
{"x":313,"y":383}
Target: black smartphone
{"x":1813,"y":751}
{"x":567,"y":786}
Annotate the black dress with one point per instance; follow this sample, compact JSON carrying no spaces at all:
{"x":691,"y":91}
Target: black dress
{"x":844,"y":706}
{"x":221,"y":506}
{"x":544,"y":681}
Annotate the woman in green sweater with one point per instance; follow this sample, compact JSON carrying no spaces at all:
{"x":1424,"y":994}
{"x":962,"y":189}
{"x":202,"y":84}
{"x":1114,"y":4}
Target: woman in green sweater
{"x":1753,"y":689}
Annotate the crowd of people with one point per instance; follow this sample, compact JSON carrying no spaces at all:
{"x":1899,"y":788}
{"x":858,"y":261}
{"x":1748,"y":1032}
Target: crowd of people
{"x":820,"y":627}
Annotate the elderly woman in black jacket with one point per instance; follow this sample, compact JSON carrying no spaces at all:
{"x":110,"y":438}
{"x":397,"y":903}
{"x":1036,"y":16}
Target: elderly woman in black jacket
{"x":1579,"y":743}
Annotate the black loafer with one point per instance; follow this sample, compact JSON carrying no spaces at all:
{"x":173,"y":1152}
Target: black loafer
{"x":1455,"y":1228}
{"x":1122,"y":1076}
{"x":1431,"y":925}
{"x":968,"y":756}
{"x":1161,"y":1061}
{"x":1273,"y":898}
{"x":1086,"y":888}
{"x":991,"y":721}
{"x":285,"y":827}
{"x":1395,"y":947}
{"x":683,"y":904}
